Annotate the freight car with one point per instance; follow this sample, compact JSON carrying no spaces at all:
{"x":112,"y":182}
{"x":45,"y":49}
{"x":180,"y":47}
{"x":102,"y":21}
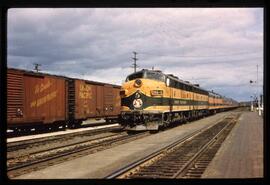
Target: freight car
{"x":39,"y":99}
{"x":89,"y":99}
{"x":151,"y":99}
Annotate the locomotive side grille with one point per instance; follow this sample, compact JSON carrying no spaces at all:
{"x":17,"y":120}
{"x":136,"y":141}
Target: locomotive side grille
{"x":14,"y":94}
{"x":71,"y":98}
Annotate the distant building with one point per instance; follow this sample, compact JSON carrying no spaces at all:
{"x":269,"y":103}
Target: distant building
{"x":245,"y":104}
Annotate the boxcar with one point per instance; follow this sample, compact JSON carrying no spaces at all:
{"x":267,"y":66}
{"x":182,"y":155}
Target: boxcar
{"x":38,"y":99}
{"x":35,"y":98}
{"x":89,"y":99}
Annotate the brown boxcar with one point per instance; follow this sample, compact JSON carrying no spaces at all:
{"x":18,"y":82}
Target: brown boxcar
{"x":40,"y":99}
{"x":88,"y":99}
{"x":35,"y":98}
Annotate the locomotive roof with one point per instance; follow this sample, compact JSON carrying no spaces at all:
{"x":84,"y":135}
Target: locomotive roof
{"x":175,"y":78}
{"x":60,"y":76}
{"x":185,"y":82}
{"x":214,"y":93}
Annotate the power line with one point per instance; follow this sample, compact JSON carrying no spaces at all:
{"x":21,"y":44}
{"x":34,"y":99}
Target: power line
{"x":234,"y":85}
{"x":220,"y":61}
{"x":214,"y":61}
{"x":232,"y":54}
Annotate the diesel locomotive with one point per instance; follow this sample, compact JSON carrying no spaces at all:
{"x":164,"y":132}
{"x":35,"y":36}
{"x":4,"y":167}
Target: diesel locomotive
{"x":151,"y":100}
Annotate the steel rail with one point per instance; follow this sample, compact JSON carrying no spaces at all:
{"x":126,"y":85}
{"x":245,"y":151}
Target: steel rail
{"x":156,"y":154}
{"x":13,"y":171}
{"x":135,"y":166}
{"x":65,"y":146}
{"x":17,"y":145}
{"x":20,"y":134}
{"x":69,"y":152}
{"x":185,"y":168}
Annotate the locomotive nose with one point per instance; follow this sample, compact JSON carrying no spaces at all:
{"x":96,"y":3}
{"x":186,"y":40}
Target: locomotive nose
{"x":137,"y":102}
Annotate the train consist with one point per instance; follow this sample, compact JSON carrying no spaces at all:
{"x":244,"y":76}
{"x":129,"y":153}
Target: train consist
{"x":148,"y":100}
{"x":151,"y":100}
{"x":39,"y":99}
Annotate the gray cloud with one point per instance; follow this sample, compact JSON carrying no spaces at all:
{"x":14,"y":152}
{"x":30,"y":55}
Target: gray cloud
{"x":216,"y":47}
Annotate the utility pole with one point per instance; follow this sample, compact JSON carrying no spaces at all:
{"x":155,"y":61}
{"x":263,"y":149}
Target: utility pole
{"x":37,"y":67}
{"x":257,"y":83}
{"x":252,"y":97}
{"x":258,"y":96}
{"x":251,"y":103}
{"x":135,"y":59}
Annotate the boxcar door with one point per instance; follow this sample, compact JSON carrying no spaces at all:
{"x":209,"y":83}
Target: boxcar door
{"x":99,"y":101}
{"x":85,"y":100}
{"x":117,"y":101}
{"x":108,"y":100}
{"x":93,"y":101}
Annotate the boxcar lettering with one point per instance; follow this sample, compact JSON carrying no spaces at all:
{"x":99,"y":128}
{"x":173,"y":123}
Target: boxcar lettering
{"x":45,"y":86}
{"x":33,"y":103}
{"x":85,"y":92}
{"x":44,"y":99}
{"x":40,"y":88}
{"x":36,"y":89}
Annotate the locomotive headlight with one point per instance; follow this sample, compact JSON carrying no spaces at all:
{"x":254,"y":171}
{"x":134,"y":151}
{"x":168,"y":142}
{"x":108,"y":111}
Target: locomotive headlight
{"x":156,"y":92}
{"x":137,"y":103}
{"x":138,"y":83}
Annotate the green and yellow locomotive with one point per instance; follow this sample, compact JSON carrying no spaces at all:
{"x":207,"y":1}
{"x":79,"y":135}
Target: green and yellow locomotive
{"x":151,"y":99}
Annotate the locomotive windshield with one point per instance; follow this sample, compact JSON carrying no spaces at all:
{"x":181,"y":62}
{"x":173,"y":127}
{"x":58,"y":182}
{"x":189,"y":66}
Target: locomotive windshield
{"x":135,"y":76}
{"x":155,"y":76}
{"x":147,"y":74}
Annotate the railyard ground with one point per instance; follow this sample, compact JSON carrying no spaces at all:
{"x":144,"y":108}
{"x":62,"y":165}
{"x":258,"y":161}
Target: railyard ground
{"x":241,"y":155}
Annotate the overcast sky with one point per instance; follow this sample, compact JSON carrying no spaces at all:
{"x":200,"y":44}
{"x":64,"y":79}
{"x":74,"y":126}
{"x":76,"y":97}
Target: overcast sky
{"x":214,"y":47}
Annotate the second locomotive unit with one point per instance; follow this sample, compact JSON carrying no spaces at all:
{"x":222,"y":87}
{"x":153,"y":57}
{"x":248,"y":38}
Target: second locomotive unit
{"x":151,"y":99}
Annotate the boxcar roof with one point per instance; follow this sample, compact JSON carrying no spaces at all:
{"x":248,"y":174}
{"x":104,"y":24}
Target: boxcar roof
{"x":61,"y":76}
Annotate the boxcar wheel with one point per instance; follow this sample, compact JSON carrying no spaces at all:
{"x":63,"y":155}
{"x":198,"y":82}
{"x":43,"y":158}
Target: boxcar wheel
{"x":153,"y":131}
{"x":131,"y":132}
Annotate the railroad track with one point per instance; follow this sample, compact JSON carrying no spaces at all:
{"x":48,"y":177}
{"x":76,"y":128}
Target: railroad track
{"x":48,"y":130}
{"x":36,"y":142}
{"x":41,"y":159}
{"x":185,"y":158}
